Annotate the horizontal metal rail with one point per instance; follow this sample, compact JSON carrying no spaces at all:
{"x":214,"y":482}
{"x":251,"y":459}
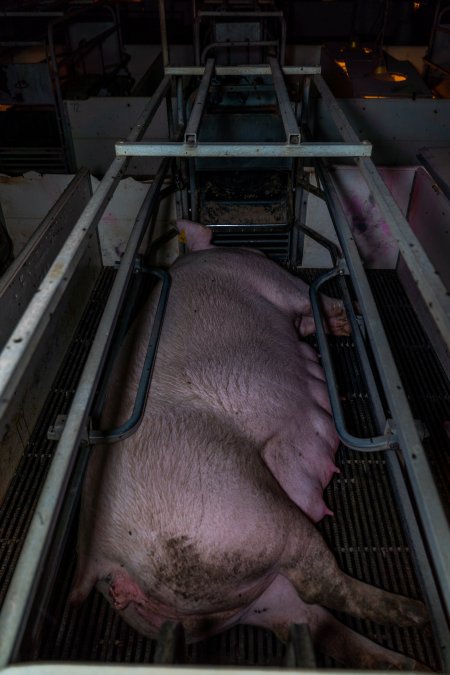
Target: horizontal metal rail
{"x":238,"y":44}
{"x":428,"y":282}
{"x":132,"y":424}
{"x":242,"y":70}
{"x":171,"y":149}
{"x":260,"y":14}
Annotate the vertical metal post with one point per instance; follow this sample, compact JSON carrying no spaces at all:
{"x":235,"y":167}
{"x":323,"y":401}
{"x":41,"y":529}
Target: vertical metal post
{"x":61,"y":116}
{"x":190,"y":135}
{"x":283,"y":41}
{"x":163,"y":30}
{"x":284,"y":103}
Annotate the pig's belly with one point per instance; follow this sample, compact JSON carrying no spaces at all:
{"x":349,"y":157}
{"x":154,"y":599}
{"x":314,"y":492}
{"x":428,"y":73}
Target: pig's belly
{"x":253,"y":371}
{"x":148,"y":615}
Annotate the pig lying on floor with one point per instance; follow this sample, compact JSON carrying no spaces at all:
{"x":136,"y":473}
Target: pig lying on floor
{"x":206,"y":514}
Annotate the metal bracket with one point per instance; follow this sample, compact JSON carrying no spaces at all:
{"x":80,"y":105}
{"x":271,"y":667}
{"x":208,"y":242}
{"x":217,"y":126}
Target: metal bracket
{"x":91,"y":436}
{"x":55,"y":431}
{"x":421,"y":428}
{"x":132,"y":424}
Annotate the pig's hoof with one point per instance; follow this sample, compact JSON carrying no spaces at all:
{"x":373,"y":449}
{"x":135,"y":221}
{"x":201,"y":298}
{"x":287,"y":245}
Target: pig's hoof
{"x":412,"y":613}
{"x":401,"y":611}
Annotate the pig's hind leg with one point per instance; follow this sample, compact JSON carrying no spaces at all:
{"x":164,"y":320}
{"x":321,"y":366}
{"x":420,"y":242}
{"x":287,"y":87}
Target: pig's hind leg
{"x":313,"y":571}
{"x":280,"y":606}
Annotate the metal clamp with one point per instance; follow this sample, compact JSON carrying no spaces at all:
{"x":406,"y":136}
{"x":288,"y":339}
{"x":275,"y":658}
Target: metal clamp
{"x":132,"y":424}
{"x":389,"y":440}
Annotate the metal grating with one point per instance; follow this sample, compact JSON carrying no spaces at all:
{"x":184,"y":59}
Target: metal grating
{"x":15,"y":161}
{"x":20,"y":500}
{"x":365,"y":534}
{"x":274,"y":244}
{"x":424,"y":379}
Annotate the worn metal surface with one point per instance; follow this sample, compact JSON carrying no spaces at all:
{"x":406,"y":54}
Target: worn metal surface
{"x":429,"y":217}
{"x":168,"y":149}
{"x":437,"y":161}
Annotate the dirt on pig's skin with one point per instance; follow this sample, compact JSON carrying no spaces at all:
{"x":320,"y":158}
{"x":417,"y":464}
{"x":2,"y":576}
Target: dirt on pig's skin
{"x":206,"y":514}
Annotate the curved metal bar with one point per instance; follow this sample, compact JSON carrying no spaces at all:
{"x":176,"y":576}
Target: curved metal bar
{"x":132,"y":424}
{"x":371,"y":444}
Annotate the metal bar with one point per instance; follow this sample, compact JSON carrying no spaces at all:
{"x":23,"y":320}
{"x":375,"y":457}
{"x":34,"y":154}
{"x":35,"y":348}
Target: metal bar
{"x":428,"y":282}
{"x":227,"y":13}
{"x":242,"y":70}
{"x":87,"y":47}
{"x":190,"y":135}
{"x":132,"y":424}
{"x":437,"y":66}
{"x":299,"y":648}
{"x":167,"y":149}
{"x":385,"y":442}
{"x":282,"y":54}
{"x":163,"y":31}
{"x":334,"y":250}
{"x":257,"y":227}
{"x":284,"y":103}
{"x":30,"y":14}
{"x":28,"y":43}
{"x":429,"y":507}
{"x":171,"y":644}
{"x":37,"y":668}
{"x":18,"y":351}
{"x":240,"y":43}
{"x":30,"y":563}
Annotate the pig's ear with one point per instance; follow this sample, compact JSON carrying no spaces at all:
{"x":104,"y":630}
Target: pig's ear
{"x":195,"y":236}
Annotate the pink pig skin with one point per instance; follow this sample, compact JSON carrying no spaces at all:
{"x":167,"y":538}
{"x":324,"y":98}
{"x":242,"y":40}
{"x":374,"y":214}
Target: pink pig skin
{"x":206,"y":514}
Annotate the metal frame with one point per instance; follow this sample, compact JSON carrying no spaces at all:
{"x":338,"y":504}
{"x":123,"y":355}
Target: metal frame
{"x":387,"y":441}
{"x":435,"y":529}
{"x":132,"y":424}
{"x":17,"y":355}
{"x":404,"y":432}
{"x":256,"y":13}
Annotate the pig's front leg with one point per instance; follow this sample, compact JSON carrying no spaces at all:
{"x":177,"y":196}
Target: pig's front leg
{"x":336,"y":321}
{"x":333,"y":311}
